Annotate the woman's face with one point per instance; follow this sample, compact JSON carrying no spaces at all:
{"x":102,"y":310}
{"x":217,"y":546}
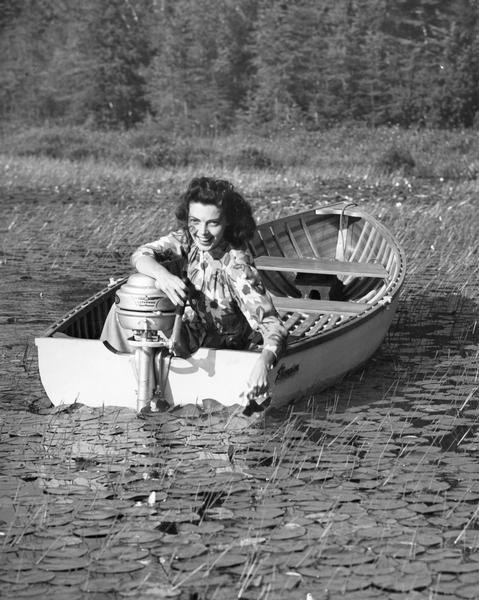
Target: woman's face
{"x":206,"y":224}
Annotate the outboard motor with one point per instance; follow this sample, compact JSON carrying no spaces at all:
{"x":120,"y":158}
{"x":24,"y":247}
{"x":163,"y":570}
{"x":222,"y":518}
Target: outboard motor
{"x":155,"y":322}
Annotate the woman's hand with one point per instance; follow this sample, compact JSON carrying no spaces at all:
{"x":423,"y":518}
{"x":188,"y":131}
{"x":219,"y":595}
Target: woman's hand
{"x":174,"y":287}
{"x":257,"y":383}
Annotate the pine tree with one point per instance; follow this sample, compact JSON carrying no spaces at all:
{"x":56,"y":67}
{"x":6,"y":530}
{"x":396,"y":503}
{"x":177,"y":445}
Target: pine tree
{"x":181,"y":88}
{"x":456,"y":98}
{"x":433,"y":64}
{"x":233,"y":67}
{"x":113,"y":45}
{"x":202,"y":63}
{"x":29,"y":33}
{"x":200,"y":74}
{"x":289,"y":58}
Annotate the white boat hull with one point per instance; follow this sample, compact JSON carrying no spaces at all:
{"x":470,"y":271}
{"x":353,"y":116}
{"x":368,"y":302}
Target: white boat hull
{"x":86,"y":371}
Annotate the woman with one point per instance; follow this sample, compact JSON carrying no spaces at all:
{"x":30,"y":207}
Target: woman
{"x":228,"y":301}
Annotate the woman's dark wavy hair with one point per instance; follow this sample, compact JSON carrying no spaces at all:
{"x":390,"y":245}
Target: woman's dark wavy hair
{"x":240,"y":224}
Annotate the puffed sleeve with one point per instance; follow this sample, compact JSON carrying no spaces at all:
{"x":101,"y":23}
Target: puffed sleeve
{"x":175,"y":244}
{"x":254,"y":301}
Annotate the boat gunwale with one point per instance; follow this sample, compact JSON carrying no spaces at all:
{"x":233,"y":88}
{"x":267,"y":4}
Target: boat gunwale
{"x":77,"y":310}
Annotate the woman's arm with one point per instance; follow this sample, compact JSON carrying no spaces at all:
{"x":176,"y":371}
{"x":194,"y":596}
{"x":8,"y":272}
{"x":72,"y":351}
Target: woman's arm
{"x":257,"y":306}
{"x":145,"y":260}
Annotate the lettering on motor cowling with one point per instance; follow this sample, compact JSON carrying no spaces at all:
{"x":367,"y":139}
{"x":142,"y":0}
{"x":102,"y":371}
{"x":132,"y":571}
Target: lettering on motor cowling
{"x":286,"y":372}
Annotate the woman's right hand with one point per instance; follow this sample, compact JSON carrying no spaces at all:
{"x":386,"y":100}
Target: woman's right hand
{"x":174,"y":287}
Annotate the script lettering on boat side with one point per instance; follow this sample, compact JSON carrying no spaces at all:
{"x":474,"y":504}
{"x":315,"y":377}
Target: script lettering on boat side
{"x":286,"y":372}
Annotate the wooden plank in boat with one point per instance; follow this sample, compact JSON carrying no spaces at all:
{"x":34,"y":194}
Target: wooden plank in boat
{"x":291,"y":321}
{"x":322,"y":322}
{"x":332,"y":322}
{"x":348,"y":211}
{"x":307,"y":305}
{"x":323,"y":266}
{"x":305,"y":325}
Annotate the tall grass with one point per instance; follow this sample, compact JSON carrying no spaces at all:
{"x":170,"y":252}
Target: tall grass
{"x":142,"y":160}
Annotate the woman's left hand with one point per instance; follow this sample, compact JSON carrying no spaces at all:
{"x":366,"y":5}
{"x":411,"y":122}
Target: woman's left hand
{"x":257,"y":383}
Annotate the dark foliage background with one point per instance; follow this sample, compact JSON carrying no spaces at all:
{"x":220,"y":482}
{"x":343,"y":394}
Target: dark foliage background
{"x":215,"y":65}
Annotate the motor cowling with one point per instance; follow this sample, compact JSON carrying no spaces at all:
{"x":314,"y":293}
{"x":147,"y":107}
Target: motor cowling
{"x":143,"y":308}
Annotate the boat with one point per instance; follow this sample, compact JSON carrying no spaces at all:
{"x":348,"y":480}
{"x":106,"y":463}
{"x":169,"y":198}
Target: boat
{"x":334,"y":274}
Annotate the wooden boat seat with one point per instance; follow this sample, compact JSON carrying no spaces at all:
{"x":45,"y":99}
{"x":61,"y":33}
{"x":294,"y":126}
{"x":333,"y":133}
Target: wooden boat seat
{"x":320,"y":266}
{"x":308,"y":305}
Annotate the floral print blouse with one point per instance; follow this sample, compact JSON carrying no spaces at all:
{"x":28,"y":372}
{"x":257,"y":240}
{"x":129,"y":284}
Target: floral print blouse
{"x":227,"y":297}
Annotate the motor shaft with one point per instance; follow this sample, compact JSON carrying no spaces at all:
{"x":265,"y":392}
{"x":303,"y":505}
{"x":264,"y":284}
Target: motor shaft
{"x":144,"y":361}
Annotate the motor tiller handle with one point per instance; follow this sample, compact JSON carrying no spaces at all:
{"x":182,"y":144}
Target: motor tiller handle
{"x":175,"y":334}
{"x":179,"y":312}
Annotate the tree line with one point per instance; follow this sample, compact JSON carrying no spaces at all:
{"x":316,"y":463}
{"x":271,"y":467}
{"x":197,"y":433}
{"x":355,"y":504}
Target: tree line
{"x":212,"y":65}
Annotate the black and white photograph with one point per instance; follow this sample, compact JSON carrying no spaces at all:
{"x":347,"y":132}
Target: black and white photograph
{"x":239,"y":319}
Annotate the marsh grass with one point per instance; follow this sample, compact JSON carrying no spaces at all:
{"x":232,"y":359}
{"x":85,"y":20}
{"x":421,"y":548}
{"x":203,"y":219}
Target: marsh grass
{"x":137,"y":162}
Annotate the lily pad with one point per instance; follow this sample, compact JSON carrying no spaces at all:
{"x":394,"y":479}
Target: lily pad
{"x":348,"y":559}
{"x":15,"y":563}
{"x":209,"y":527}
{"x":33,"y":591}
{"x":66,"y":552}
{"x":102,"y":584}
{"x":177,"y":516}
{"x":467,"y":591}
{"x":219,"y":513}
{"x":189,"y":551}
{"x":398,"y":583}
{"x":157,"y":591}
{"x":116,"y":566}
{"x":68,"y":564}
{"x":140,"y":537}
{"x":286,"y":547}
{"x":288,"y":532}
{"x":27,"y":577}
{"x":455,"y":566}
{"x":98,"y":514}
{"x":228,"y":560}
{"x":93,"y":532}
